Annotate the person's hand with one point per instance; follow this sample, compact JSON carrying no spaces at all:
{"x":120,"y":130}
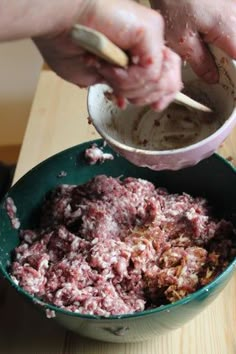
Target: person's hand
{"x":153,"y":76}
{"x":190,"y":24}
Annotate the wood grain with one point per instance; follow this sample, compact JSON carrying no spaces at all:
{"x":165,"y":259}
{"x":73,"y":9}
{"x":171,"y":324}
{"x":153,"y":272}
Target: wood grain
{"x":58,"y":120}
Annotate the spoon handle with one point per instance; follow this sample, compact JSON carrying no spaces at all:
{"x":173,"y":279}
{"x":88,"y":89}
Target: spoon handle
{"x":98,"y":44}
{"x":188,"y":102}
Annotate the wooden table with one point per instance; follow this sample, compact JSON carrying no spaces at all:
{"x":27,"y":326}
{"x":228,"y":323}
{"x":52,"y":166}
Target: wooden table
{"x":58,"y":121}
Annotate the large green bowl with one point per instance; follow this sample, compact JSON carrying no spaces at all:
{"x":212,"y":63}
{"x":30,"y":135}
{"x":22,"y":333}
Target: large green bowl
{"x":213,"y":178}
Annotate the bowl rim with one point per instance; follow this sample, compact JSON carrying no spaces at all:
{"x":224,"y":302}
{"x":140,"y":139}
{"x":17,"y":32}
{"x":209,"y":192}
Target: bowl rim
{"x":163,"y":308}
{"x":172,"y":152}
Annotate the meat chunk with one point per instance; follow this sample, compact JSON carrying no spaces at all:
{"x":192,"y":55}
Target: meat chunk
{"x":95,"y":155}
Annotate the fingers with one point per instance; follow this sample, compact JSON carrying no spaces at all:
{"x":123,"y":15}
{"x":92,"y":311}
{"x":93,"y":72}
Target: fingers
{"x":163,"y":102}
{"x":153,"y":72}
{"x":130,"y":26}
{"x":155,"y":89}
{"x":193,"y":49}
{"x":214,"y":20}
{"x":72,"y":70}
{"x":139,"y":31}
{"x":149,"y":42}
{"x":167,"y":86}
{"x":69,"y":61}
{"x":81,"y":70}
{"x":145,"y":43}
{"x":223,"y":34}
{"x":201,"y":59}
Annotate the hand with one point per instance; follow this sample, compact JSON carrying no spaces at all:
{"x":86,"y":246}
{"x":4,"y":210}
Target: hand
{"x":153,"y":76}
{"x":191,"y":24}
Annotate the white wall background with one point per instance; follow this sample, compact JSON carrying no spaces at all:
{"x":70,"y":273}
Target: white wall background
{"x":20,"y":65}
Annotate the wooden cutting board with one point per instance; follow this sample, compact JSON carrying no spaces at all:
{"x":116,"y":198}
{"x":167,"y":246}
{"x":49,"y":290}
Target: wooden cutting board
{"x":58,"y":121}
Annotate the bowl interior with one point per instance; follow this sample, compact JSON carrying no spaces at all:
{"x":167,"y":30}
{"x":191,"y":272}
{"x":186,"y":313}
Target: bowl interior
{"x":213,"y":178}
{"x":136,"y":127}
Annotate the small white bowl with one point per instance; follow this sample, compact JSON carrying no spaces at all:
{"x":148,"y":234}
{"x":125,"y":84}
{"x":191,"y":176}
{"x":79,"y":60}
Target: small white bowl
{"x":117,"y":126}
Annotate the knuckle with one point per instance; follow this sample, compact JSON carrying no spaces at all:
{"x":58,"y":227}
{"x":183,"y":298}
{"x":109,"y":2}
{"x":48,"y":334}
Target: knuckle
{"x":155,"y":22}
{"x":159,"y":20}
{"x":177,"y":59}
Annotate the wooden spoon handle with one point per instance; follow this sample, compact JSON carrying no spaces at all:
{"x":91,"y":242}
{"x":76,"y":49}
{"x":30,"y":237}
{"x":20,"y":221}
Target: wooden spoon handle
{"x":188,"y":102}
{"x":98,"y":44}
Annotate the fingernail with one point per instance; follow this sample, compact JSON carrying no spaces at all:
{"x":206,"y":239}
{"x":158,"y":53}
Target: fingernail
{"x":211,"y":77}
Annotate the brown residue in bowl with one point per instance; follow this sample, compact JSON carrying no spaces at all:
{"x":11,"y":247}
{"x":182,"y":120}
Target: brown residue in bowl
{"x":174,"y":128}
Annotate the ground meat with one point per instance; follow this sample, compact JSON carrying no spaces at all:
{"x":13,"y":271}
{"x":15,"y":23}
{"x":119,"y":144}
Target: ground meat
{"x":94,"y":155}
{"x":11,"y":211}
{"x":112,"y":247}
{"x":50,"y":313}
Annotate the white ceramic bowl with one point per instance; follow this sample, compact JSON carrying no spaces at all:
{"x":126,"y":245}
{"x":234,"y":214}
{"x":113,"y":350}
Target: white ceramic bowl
{"x":117,"y":126}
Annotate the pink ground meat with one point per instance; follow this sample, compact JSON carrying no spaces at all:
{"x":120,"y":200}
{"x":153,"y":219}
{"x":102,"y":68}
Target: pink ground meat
{"x":11,"y":211}
{"x":112,"y":247}
{"x":94,"y":155}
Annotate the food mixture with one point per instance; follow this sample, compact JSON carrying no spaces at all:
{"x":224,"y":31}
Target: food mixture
{"x":11,"y":211}
{"x":111,"y":247}
{"x":94,"y":155}
{"x":174,"y":128}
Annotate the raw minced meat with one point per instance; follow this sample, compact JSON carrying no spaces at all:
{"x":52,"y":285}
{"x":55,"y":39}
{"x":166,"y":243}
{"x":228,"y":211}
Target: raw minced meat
{"x":111,"y":247}
{"x":50,"y":313}
{"x":11,"y":211}
{"x":95,"y":155}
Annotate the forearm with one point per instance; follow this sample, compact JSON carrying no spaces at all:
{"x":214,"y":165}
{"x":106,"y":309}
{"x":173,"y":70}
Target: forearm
{"x":32,"y":18}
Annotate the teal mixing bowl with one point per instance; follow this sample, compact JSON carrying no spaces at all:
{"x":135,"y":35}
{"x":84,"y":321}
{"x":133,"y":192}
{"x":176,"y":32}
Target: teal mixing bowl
{"x":213,"y":178}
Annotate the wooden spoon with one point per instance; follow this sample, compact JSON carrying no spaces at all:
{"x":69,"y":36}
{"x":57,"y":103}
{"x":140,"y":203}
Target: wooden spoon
{"x":98,"y":44}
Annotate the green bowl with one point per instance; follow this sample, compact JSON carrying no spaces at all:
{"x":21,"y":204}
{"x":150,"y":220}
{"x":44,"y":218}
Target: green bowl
{"x":213,"y":178}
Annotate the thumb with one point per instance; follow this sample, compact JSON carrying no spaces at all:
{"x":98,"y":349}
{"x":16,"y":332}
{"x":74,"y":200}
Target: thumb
{"x":195,"y":51}
{"x":224,"y":36}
